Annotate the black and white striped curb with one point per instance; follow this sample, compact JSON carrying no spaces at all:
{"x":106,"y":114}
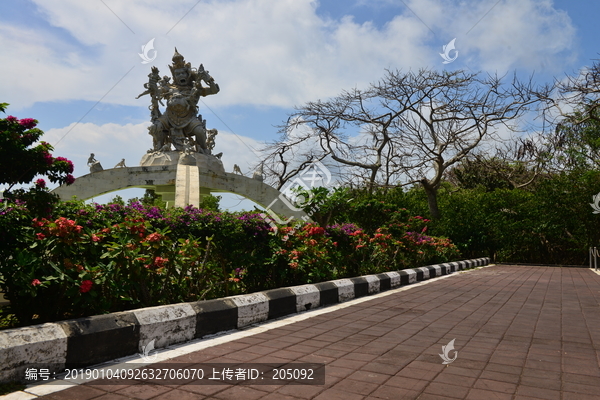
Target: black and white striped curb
{"x":93,"y":340}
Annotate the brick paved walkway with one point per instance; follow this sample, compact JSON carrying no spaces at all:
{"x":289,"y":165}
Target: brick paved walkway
{"x":521,"y":333}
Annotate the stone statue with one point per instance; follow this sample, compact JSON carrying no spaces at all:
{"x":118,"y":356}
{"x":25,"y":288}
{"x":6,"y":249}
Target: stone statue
{"x":94,"y":164}
{"x":187,"y":158}
{"x":258,"y":174}
{"x":181,"y":120}
{"x":150,"y":86}
{"x":210,"y":139}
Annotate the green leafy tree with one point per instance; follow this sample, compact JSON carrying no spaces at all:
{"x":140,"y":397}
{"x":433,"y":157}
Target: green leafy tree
{"x":210,"y":203}
{"x":151,"y":198}
{"x":117,"y":200}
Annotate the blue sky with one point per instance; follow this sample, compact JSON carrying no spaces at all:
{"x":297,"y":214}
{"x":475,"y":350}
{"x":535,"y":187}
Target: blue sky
{"x":74,"y":65}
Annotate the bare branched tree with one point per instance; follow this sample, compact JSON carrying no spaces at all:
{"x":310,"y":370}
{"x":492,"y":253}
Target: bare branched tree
{"x":287,"y":158}
{"x":408,"y":127}
{"x":580,"y":92}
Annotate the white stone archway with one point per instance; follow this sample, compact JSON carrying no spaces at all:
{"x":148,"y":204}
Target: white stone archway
{"x":179,"y":185}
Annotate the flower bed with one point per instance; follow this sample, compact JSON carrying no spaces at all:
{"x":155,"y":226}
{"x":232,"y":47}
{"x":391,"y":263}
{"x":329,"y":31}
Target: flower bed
{"x":94,"y":259}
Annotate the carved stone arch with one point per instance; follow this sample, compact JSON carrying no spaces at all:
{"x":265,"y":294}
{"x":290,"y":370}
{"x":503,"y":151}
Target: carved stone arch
{"x":179,"y":185}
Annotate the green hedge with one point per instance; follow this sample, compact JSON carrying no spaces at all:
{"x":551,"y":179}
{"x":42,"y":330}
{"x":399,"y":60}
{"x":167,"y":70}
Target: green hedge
{"x":550,"y":223}
{"x":94,"y":259}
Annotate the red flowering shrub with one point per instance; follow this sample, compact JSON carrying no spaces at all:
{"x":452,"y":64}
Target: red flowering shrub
{"x":64,"y":270}
{"x":21,"y":162}
{"x":93,"y":259}
{"x":302,"y":255}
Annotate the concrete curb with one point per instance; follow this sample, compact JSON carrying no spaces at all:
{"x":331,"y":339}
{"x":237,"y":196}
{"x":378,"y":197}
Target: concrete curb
{"x":92,"y":340}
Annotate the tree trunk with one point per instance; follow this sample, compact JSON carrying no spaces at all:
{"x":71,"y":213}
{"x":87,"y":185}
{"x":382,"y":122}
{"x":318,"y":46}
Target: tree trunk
{"x":431,"y":192}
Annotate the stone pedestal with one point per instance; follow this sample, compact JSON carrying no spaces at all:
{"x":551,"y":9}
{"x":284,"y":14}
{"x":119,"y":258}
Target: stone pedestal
{"x":96,"y":167}
{"x":187,"y":179}
{"x":203,"y":161}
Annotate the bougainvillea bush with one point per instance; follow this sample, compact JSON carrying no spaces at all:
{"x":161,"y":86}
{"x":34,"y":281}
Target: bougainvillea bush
{"x":23,"y":159}
{"x":88,"y":259}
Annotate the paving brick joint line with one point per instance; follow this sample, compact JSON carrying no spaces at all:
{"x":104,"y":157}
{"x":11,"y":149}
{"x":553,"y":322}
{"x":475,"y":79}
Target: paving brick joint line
{"x":521,"y":332}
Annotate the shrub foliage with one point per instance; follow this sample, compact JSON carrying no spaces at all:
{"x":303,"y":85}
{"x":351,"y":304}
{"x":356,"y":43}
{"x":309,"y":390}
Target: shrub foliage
{"x":91,"y":259}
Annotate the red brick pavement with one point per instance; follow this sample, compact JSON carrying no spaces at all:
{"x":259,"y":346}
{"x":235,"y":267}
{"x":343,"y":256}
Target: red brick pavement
{"x":521,"y":333}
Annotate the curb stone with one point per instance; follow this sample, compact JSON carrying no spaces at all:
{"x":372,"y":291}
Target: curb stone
{"x":93,"y":340}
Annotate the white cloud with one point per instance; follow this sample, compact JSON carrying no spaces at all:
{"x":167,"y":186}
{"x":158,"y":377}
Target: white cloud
{"x":502,"y":35}
{"x":262,"y":52}
{"x":109,"y":142}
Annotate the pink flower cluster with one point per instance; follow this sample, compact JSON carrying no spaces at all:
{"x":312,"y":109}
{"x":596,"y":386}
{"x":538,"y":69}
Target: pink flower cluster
{"x":48,"y":158}
{"x":69,"y":162}
{"x":27,"y":123}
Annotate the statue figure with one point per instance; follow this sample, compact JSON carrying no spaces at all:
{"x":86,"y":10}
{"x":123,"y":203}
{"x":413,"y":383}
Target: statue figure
{"x":187,"y":158}
{"x":92,"y":159}
{"x":151,"y":85}
{"x":94,"y":164}
{"x":210,"y":139}
{"x":258,"y":174}
{"x":181,"y":120}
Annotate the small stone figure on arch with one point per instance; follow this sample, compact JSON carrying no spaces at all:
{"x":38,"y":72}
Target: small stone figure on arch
{"x":94,"y":164}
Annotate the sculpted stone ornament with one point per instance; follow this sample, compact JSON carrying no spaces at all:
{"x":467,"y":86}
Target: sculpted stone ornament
{"x":180,"y":126}
{"x":210,"y":139}
{"x":94,"y":164}
{"x":258,"y":174}
{"x":187,"y":158}
{"x":181,"y":119}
